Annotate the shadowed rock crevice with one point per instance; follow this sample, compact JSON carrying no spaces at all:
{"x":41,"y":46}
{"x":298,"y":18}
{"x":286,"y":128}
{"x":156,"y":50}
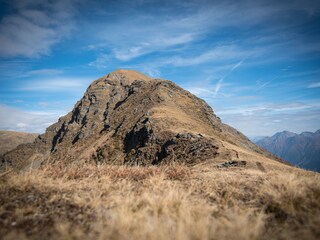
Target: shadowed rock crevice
{"x":59,"y":137}
{"x":134,"y":140}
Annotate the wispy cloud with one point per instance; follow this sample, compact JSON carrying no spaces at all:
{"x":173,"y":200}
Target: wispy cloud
{"x":200,"y":92}
{"x":217,"y":54}
{"x":263,"y":85}
{"x":237,"y":65}
{"x":217,"y":87}
{"x":219,"y":83}
{"x":269,"y":109}
{"x":266,"y":119}
{"x":314,"y":85}
{"x":207,"y":88}
{"x":35,"y":27}
{"x":101,"y":62}
{"x":151,"y":45}
{"x":195,"y":43}
{"x":265,"y":125}
{"x":176,"y":37}
{"x":56,"y":84}
{"x":152,"y":72}
{"x":146,"y":33}
{"x":44,"y":72}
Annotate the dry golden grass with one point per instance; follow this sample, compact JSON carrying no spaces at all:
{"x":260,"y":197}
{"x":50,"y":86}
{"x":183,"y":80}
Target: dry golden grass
{"x":166,"y":202}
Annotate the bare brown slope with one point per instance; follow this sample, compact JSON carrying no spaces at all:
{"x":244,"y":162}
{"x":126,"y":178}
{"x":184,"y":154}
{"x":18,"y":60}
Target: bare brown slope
{"x":129,"y":118}
{"x":11,"y":139}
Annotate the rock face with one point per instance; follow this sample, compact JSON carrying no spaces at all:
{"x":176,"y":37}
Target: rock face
{"x":302,"y":150}
{"x":129,"y":118}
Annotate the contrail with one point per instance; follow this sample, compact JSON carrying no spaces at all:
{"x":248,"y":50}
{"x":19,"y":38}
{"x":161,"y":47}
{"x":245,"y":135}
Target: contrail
{"x":219,"y":83}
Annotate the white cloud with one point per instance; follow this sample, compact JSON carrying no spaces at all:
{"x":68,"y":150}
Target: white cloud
{"x":237,"y":65}
{"x":200,"y":92}
{"x":219,"y":83}
{"x":314,"y":85}
{"x":127,"y":51}
{"x":266,"y":125}
{"x":101,"y":62}
{"x":152,"y":72}
{"x":262,"y":85}
{"x":277,"y":120}
{"x":48,"y":71}
{"x":18,"y":120}
{"x":57,"y":84}
{"x":181,"y":32}
{"x":157,"y":43}
{"x":147,"y":33}
{"x":43,"y":104}
{"x":22,"y":125}
{"x":218,"y":54}
{"x":217,"y":87}
{"x":207,"y":89}
{"x":31,"y":32}
{"x":267,"y":119}
{"x":268,"y":109}
{"x":132,"y":52}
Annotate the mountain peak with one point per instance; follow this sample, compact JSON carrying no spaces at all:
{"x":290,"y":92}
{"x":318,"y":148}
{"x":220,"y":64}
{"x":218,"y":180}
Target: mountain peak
{"x":127,"y":117}
{"x":127,"y":74}
{"x":284,"y":134}
{"x":300,"y":149}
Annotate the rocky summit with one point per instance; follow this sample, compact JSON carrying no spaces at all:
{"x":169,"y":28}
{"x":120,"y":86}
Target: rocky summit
{"x":129,"y":118}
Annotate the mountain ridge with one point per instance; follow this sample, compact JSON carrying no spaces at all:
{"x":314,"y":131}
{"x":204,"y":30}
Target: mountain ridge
{"x":301,"y":149}
{"x":126,"y":117}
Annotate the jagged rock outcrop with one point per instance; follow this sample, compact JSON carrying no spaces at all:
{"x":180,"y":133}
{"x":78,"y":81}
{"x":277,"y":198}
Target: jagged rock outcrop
{"x":129,"y":118}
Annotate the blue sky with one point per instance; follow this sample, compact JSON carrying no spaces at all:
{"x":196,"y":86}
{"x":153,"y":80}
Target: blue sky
{"x":257,"y":63}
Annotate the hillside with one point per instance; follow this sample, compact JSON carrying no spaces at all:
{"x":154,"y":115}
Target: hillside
{"x":129,"y":118}
{"x":302,"y":150}
{"x":10,"y":140}
{"x":141,"y":158}
{"x":160,"y":202}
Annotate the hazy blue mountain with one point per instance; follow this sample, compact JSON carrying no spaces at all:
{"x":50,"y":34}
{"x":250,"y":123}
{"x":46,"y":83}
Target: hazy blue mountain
{"x":256,"y":138}
{"x":302,"y":149}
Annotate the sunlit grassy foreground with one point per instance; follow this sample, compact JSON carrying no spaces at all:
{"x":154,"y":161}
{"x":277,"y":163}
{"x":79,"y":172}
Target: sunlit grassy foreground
{"x":167,"y":202}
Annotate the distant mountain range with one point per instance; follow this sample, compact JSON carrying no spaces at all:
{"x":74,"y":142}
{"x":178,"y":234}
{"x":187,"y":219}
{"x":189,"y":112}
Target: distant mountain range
{"x":302,"y":150}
